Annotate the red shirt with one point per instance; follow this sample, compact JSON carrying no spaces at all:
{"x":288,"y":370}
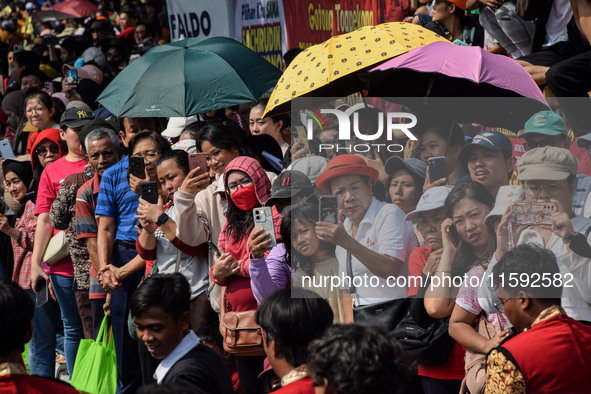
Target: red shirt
{"x":128,"y":34}
{"x":14,"y":380}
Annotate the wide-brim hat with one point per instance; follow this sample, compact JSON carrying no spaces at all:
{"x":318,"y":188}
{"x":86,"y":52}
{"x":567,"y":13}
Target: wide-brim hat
{"x":345,"y":165}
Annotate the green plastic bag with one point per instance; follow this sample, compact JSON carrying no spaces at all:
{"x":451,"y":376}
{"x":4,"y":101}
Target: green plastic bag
{"x":95,"y":370}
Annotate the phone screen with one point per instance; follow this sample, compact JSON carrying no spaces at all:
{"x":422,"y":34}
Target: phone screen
{"x":329,"y":209}
{"x":72,"y":76}
{"x":42,"y":295}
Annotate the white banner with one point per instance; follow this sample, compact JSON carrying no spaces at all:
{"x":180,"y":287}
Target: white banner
{"x":260,"y":25}
{"x":200,"y":19}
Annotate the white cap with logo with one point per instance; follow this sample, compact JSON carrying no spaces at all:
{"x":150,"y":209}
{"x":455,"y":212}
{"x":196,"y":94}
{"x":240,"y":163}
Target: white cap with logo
{"x":432,"y":199}
{"x":176,"y":125}
{"x":505,"y":197}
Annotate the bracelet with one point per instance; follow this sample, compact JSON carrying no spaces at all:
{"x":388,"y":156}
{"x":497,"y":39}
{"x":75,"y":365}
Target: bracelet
{"x":448,"y":271}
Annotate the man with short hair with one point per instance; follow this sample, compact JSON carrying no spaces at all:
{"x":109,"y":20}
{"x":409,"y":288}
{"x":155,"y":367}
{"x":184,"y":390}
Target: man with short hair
{"x":160,"y":310}
{"x":21,"y":60}
{"x":289,"y":325}
{"x":32,"y":78}
{"x":100,"y":30}
{"x":101,"y":145}
{"x":16,"y":329}
{"x":561,"y":363}
{"x":489,"y":159}
{"x":546,"y":128}
{"x":132,"y":126}
{"x":127,"y":21}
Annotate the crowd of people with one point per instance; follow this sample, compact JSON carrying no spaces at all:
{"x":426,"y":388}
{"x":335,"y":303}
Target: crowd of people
{"x":287,"y":264}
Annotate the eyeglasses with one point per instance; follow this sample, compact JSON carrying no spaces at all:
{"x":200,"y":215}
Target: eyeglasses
{"x":36,"y":110}
{"x":214,"y":154}
{"x":500,"y":305}
{"x":540,"y":144}
{"x":232,"y":187}
{"x":111,"y":54}
{"x":150,"y":156}
{"x":552,"y":189}
{"x":43,"y":151}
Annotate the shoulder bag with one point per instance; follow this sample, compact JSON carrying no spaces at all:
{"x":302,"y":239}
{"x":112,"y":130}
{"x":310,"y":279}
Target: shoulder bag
{"x":242,"y":336}
{"x":57,"y":249}
{"x":386,"y":314}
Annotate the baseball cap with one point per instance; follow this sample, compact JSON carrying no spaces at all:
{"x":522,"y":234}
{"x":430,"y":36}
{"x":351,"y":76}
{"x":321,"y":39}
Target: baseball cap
{"x":505,"y":196}
{"x":93,"y":54}
{"x":415,"y":166}
{"x":287,"y":185}
{"x":93,"y":125}
{"x":176,"y":125}
{"x":547,"y":163}
{"x":432,"y":199}
{"x":312,"y":166}
{"x":75,"y":117}
{"x":78,"y":104}
{"x":545,"y":122}
{"x":584,"y":141}
{"x":492,"y":140}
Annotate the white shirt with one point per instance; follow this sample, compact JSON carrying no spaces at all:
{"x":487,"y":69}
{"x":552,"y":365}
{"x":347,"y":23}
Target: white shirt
{"x":382,"y":230}
{"x":560,"y":14}
{"x":576,"y":300}
{"x":187,"y":344}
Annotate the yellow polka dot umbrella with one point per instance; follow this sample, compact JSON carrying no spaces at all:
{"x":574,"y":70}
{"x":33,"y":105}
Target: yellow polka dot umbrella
{"x":330,"y":69}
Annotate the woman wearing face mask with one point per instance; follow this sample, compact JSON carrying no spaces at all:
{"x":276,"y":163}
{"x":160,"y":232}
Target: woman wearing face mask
{"x":158,"y":240}
{"x":200,"y":206}
{"x":247,"y":187}
{"x":424,"y":262}
{"x":467,"y":206}
{"x":433,"y":143}
{"x":316,"y":259}
{"x":277,"y":127}
{"x":21,"y":230}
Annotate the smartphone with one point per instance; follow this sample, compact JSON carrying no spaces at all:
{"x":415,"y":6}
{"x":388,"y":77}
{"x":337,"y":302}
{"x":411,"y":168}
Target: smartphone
{"x":149,"y":192}
{"x":214,"y":249}
{"x":298,"y":133}
{"x":49,"y":88}
{"x":263,"y":218}
{"x":437,"y":168}
{"x":6,"y":150}
{"x":42,"y":294}
{"x":72,"y":76}
{"x":455,"y":237}
{"x":138,"y":168}
{"x":329,"y":209}
{"x":198,"y":160}
{"x":532,"y":213}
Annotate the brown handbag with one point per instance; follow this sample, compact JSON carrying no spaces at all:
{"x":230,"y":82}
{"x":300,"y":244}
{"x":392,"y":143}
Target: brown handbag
{"x":242,"y":336}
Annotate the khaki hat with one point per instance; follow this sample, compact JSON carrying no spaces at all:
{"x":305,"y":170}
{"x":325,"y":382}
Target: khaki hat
{"x":547,"y":163}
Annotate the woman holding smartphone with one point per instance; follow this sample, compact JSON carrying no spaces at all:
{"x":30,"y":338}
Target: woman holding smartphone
{"x":21,"y":230}
{"x":466,"y":207}
{"x":158,"y":240}
{"x":247,"y":187}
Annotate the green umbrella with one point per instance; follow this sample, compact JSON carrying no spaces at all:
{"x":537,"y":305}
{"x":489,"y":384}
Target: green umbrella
{"x":189,"y":77}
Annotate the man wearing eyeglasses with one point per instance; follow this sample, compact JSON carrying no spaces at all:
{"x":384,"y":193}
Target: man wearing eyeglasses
{"x":546,"y":128}
{"x":551,"y":352}
{"x":548,"y":175}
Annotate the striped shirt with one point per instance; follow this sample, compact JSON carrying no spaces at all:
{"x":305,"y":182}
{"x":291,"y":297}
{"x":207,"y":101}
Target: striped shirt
{"x":118,"y":201}
{"x":87,"y":227}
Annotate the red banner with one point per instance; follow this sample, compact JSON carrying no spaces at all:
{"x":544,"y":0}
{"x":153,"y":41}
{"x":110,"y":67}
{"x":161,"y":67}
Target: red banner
{"x":314,"y":21}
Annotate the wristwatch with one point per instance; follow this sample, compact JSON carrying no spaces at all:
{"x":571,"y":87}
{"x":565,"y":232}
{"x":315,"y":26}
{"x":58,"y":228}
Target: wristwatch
{"x":571,"y":238}
{"x":161,"y":219}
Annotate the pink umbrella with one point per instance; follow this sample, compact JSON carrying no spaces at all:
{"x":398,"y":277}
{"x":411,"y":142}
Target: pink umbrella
{"x":442,"y":69}
{"x":76,"y":8}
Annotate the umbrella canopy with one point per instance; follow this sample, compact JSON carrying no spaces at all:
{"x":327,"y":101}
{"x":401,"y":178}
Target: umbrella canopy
{"x":447,"y":70}
{"x":50,"y":15}
{"x":76,"y":8}
{"x":189,"y":77}
{"x":331,"y":69}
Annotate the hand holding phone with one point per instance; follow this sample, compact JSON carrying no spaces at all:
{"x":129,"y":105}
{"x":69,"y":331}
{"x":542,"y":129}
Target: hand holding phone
{"x":149,"y":192}
{"x":214,"y":249}
{"x":198,"y":160}
{"x":532,"y":213}
{"x":263,"y":219}
{"x":137,"y":167}
{"x":437,"y":168}
{"x":42,"y":293}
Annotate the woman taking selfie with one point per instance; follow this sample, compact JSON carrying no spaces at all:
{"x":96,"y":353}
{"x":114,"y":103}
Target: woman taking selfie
{"x":158,"y":240}
{"x":374,"y":235}
{"x":436,"y":376}
{"x":247,"y":187}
